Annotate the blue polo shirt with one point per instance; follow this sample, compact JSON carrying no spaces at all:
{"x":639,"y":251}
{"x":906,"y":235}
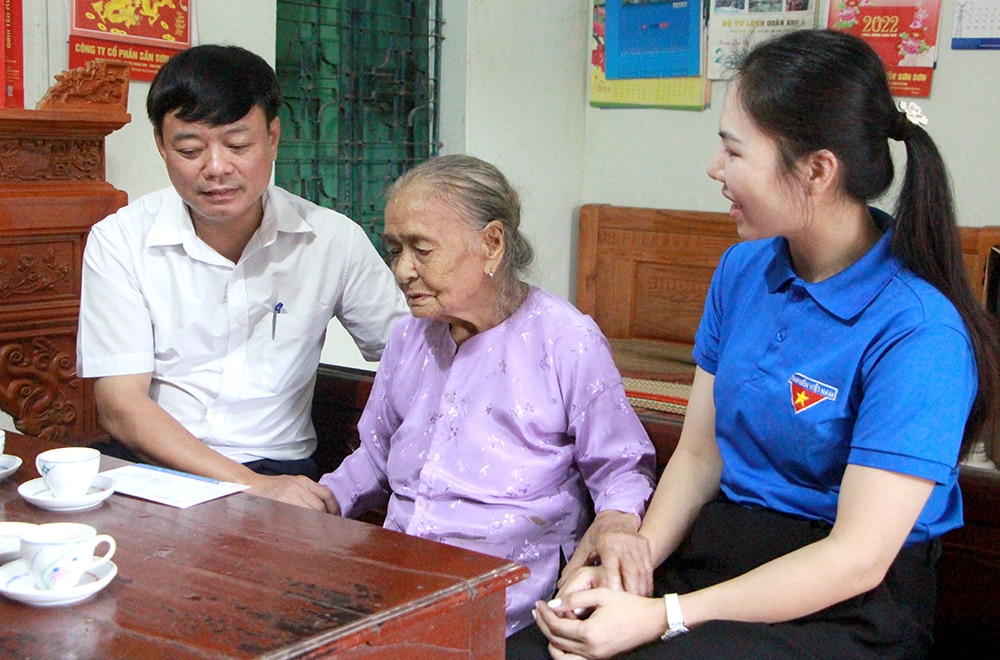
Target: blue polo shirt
{"x":872,"y":367}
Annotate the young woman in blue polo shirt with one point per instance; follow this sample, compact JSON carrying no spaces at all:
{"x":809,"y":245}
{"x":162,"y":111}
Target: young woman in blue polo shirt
{"x":844,"y":367}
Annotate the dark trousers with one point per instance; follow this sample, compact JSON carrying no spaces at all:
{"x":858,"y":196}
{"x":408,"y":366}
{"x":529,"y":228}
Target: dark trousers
{"x":893,"y":620}
{"x":303,"y":466}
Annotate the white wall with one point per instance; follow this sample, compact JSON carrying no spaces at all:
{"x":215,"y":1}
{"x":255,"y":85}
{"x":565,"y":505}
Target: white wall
{"x":514,"y":76}
{"x":523,"y":108}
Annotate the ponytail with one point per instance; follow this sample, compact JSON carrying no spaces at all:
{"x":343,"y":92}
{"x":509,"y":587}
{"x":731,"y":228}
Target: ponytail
{"x":927,"y":239}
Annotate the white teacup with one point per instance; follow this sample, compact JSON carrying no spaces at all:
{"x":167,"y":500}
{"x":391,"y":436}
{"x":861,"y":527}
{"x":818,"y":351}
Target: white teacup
{"x":58,"y":554}
{"x":69,"y":471}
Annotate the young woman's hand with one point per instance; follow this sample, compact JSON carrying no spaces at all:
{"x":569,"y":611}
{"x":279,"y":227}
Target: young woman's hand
{"x":618,"y":621}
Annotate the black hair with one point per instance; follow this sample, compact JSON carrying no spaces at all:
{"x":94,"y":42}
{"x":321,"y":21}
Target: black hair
{"x":823,"y":89}
{"x":213,"y":84}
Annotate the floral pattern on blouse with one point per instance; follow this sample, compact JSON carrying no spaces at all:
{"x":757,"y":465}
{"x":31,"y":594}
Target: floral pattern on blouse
{"x":501,"y":445}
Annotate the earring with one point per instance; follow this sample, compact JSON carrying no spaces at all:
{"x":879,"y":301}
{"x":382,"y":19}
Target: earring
{"x":491,"y":273}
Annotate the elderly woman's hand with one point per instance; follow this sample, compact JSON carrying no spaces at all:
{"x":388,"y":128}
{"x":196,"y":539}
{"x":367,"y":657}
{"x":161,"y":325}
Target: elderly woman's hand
{"x":624,"y":555}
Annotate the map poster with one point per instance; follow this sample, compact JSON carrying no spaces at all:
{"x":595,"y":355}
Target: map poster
{"x":903,"y":33}
{"x":143,"y":33}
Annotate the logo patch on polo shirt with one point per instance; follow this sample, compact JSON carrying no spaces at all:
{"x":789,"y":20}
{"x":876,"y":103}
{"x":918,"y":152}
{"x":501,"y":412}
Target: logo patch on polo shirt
{"x":807,"y":392}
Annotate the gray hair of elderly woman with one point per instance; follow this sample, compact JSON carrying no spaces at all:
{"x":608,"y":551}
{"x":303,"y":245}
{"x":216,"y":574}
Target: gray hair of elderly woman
{"x":480,"y":193}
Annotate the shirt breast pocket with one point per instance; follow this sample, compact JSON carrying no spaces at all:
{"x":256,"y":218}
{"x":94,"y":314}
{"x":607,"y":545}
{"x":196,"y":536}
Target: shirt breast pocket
{"x":286,"y":349}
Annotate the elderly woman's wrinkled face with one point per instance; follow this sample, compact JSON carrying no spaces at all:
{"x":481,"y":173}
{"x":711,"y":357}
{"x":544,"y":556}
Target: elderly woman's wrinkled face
{"x":438,"y":261}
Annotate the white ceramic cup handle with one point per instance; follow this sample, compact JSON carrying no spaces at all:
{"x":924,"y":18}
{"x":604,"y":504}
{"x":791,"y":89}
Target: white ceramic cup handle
{"x":106,"y":557}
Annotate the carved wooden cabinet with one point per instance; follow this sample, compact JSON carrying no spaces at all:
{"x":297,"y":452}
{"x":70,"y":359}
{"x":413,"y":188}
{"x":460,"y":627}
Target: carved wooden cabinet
{"x":52,"y":189}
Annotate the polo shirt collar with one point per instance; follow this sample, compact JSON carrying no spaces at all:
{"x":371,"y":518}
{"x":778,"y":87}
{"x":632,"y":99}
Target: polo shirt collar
{"x":846,"y":294}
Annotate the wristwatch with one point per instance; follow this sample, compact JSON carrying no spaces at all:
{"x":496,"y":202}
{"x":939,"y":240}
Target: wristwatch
{"x":675,"y":620}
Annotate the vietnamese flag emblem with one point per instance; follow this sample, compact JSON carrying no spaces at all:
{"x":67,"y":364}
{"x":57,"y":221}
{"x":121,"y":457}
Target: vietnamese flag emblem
{"x":807,"y":392}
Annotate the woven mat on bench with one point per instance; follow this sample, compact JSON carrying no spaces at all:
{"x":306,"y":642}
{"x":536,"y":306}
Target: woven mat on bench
{"x":653,"y":360}
{"x":657,"y":395}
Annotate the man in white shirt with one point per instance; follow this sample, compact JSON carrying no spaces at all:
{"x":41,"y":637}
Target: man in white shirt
{"x":205,"y":305}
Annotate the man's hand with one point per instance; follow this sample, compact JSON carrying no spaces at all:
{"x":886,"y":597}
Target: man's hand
{"x":613,"y":539}
{"x":298,"y":490}
{"x":142,"y":425}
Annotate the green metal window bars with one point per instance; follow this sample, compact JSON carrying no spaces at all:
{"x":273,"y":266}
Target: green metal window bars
{"x":360,"y":81}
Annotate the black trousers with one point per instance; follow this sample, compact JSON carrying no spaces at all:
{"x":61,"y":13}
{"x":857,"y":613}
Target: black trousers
{"x":304,"y":466}
{"x":893,"y":620}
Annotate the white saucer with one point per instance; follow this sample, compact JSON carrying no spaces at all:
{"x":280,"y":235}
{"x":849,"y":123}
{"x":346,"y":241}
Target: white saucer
{"x":8,"y":465}
{"x":36,"y":492}
{"x":17,"y":584}
{"x":10,"y":539}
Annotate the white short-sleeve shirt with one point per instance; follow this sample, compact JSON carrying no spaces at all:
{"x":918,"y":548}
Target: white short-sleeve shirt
{"x":235,"y":372}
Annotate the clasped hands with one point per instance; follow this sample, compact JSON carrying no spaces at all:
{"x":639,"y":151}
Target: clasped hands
{"x":602,"y":607}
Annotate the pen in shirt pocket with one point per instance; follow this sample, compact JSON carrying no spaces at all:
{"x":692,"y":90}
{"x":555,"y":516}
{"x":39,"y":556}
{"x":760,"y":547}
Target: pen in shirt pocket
{"x":274,"y":318}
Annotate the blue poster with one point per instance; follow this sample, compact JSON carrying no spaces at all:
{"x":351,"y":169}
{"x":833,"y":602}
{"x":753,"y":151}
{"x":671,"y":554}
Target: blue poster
{"x":653,"y":38}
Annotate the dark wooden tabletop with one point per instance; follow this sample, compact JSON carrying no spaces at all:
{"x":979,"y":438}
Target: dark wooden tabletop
{"x":245,"y":576}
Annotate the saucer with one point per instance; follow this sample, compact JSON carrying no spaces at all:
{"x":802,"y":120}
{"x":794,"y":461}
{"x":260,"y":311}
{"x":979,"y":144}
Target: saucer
{"x":8,"y":465}
{"x":10,"y":539}
{"x":36,"y":492}
{"x":17,"y":584}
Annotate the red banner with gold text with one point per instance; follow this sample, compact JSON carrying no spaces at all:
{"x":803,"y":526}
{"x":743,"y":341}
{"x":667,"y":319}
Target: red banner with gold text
{"x":143,"y":33}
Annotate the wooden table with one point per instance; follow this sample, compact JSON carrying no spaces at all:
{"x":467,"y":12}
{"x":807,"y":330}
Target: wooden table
{"x":245,"y":576}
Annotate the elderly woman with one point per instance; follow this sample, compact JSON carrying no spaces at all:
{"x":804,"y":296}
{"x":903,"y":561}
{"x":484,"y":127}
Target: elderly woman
{"x":497,"y":414}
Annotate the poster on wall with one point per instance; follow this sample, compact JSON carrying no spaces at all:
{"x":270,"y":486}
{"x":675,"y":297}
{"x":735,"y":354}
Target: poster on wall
{"x":904,"y":34}
{"x":736,"y":26}
{"x":685,"y":93}
{"x":143,"y":33}
{"x":653,"y":38}
{"x":977,"y":25}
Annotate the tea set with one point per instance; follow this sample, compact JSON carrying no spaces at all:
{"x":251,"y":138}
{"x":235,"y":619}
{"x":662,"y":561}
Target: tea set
{"x":54,"y":564}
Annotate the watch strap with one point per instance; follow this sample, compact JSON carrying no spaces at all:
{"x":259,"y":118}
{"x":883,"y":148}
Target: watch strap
{"x":675,"y":619}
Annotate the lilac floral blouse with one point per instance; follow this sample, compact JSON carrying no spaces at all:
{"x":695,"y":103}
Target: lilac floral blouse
{"x":499,"y":446}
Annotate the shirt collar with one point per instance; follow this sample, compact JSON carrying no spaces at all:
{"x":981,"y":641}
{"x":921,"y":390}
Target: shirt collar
{"x":172,"y":223}
{"x":173,"y":226}
{"x":848,"y":292}
{"x":281,"y":216}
